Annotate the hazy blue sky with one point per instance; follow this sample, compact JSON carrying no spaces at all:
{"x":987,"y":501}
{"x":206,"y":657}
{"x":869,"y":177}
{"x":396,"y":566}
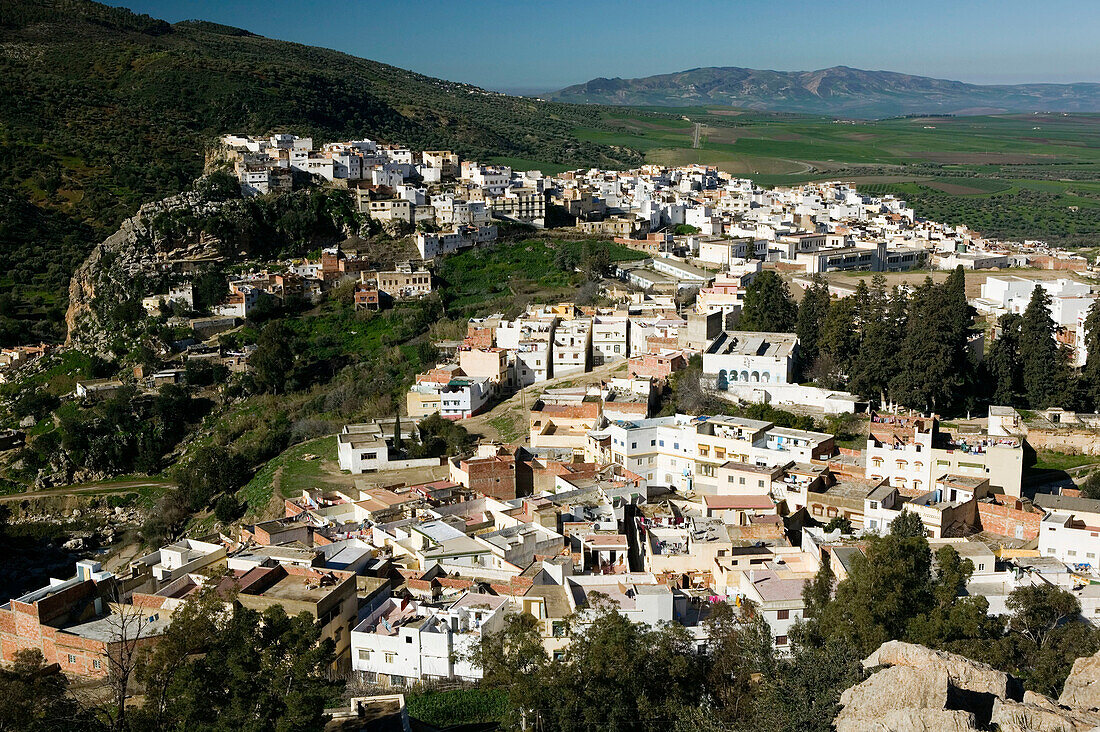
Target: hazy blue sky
{"x":528,"y":45}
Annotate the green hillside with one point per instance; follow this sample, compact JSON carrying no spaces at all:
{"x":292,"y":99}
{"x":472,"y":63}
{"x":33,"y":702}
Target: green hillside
{"x":105,"y":109}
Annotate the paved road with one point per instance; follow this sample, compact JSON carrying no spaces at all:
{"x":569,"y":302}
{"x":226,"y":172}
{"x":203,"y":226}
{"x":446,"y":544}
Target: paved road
{"x":105,"y":486}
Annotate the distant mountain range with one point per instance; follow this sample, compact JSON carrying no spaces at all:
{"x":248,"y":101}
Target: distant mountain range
{"x":836,"y":91}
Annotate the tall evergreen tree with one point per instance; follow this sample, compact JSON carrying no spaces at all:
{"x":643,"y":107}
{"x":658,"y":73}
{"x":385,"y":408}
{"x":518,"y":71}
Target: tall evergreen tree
{"x":1045,"y":371}
{"x":958,"y":319}
{"x":811,"y":320}
{"x":1091,"y":373}
{"x":878,"y":357}
{"x":927,"y":376}
{"x":768,"y":305}
{"x":958,"y":315}
{"x":839,"y":344}
{"x":1002,"y":363}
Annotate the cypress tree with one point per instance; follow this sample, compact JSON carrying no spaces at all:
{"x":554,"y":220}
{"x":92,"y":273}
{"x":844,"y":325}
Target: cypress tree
{"x":1044,"y":368}
{"x":1002,"y":364}
{"x":926,"y":377}
{"x":768,"y":305}
{"x":1091,"y":373}
{"x":811,"y":320}
{"x":839,"y":345}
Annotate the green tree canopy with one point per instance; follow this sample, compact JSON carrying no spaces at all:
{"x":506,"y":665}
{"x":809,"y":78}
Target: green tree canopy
{"x":1045,"y":370}
{"x":768,"y":305}
{"x":811,"y":320}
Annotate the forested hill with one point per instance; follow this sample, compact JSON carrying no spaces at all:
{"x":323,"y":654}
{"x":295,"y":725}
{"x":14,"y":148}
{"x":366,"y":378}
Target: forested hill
{"x":104,"y":109}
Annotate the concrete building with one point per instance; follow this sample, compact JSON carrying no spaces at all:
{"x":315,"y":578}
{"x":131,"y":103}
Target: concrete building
{"x":405,"y":641}
{"x":368,"y":447}
{"x":609,"y":339}
{"x":745,"y":357}
{"x":572,"y":347}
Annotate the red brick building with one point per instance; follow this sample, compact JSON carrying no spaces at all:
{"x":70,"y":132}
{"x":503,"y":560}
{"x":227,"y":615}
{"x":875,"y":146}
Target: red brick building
{"x":367,"y":297}
{"x":478,"y":337}
{"x":72,"y":623}
{"x":655,"y":365}
{"x":1011,"y":517}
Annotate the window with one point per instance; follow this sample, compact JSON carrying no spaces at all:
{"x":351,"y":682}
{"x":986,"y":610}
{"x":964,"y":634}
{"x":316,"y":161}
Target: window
{"x":741,"y":481}
{"x":654,"y":442}
{"x":364,"y":655}
{"x":633,"y":445}
{"x":390,"y":657}
{"x":97,"y":664}
{"x":874,"y":505}
{"x":780,"y":640}
{"x":782,"y":614}
{"x":72,"y":658}
{"x":662,"y":443}
{"x":408,"y":639}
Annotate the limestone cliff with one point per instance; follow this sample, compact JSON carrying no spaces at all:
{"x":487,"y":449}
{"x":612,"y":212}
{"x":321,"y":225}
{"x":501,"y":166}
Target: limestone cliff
{"x":185,"y":233}
{"x":921,"y":690}
{"x":125,"y":260}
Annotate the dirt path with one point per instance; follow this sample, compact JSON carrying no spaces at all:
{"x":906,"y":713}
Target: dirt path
{"x":105,"y":486}
{"x":508,"y":421}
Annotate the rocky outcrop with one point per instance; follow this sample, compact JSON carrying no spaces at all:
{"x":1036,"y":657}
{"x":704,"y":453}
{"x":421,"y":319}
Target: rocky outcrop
{"x":182,"y":234}
{"x":961,"y":671}
{"x":1037,"y":713}
{"x":140,"y":249}
{"x":917,"y":689}
{"x":1082,"y":687}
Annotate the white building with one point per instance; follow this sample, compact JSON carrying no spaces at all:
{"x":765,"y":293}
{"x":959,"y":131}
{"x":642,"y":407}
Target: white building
{"x":180,"y":294}
{"x":1070,"y":532}
{"x":572,"y":347}
{"x":404,"y":641}
{"x":661,"y":449}
{"x":744,"y":357}
{"x":368,"y":447}
{"x":609,"y":339}
{"x":1070,"y":300}
{"x":431,"y":245}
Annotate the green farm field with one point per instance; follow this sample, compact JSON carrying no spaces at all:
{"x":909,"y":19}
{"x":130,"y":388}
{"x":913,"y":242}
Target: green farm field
{"x":1033,"y":176}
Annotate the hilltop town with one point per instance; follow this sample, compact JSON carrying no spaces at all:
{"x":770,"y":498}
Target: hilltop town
{"x":752,"y":391}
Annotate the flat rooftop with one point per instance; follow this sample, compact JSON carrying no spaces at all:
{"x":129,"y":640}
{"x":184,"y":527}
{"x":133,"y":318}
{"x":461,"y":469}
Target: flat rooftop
{"x":747,"y":343}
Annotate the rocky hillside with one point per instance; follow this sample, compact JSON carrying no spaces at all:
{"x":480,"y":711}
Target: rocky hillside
{"x":105,"y":110}
{"x":191,"y":232}
{"x":835,"y":91}
{"x":915,"y":689}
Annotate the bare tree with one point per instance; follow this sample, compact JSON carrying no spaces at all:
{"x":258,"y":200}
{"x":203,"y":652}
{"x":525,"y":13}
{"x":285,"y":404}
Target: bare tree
{"x":130,"y":629}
